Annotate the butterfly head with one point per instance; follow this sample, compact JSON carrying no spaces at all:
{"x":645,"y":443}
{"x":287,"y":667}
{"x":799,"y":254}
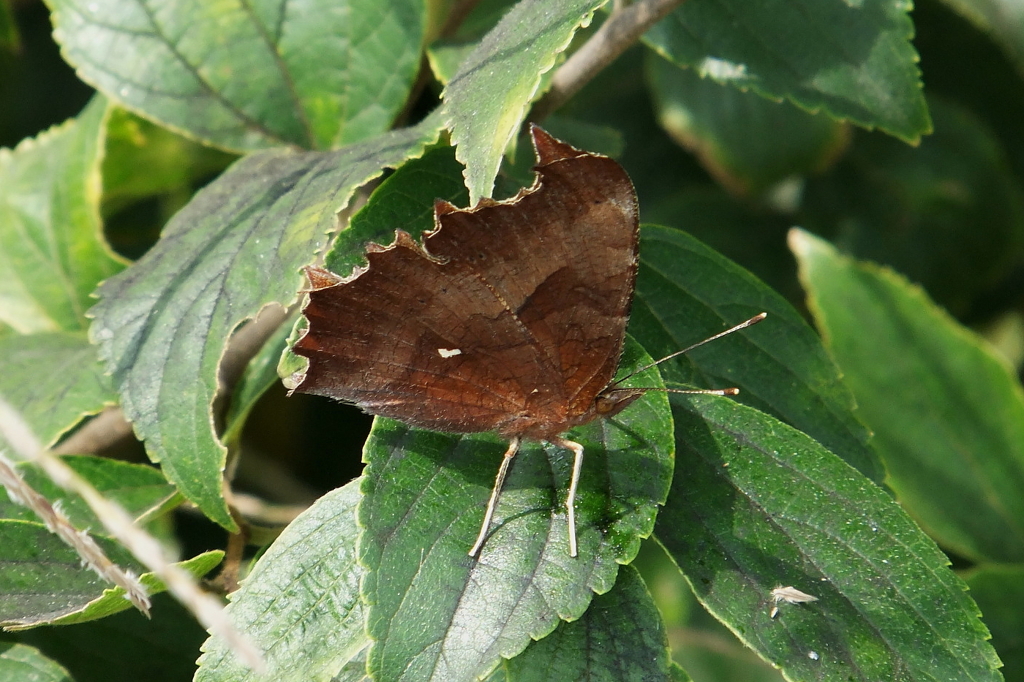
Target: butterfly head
{"x":613,"y":400}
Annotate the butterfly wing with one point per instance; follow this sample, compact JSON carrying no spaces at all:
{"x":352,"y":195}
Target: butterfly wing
{"x":562,"y":255}
{"x":411,"y":339}
{"x":512,"y":319}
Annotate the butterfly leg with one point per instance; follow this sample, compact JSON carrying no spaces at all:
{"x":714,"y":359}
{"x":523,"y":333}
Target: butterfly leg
{"x":499,"y":481}
{"x":570,"y":500}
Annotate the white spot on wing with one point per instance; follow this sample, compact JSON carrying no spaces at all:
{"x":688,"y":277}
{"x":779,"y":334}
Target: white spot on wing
{"x":449,"y":352}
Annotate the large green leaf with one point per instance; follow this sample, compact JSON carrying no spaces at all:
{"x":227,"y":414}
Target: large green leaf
{"x":686,"y":292}
{"x":438,"y":614}
{"x":53,"y":380}
{"x":162,"y":324}
{"x":486,"y":100}
{"x":300,"y":604}
{"x":947,"y":412}
{"x":757,"y":505}
{"x":23,"y":663}
{"x":619,"y":639}
{"x":247,"y":76}
{"x":853,"y":60}
{"x":747,"y":142}
{"x":51,"y":250}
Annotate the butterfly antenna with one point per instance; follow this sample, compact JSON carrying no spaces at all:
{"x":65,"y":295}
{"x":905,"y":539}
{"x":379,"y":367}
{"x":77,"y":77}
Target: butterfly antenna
{"x":725,"y":391}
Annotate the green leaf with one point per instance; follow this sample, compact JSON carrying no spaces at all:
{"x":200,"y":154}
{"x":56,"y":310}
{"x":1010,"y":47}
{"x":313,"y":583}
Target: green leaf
{"x":126,"y":647}
{"x":751,"y":236}
{"x":53,"y":380}
{"x":677,"y":674}
{"x":446,"y":54}
{"x":246,"y":77}
{"x":999,"y":591}
{"x":485,"y":101}
{"x":853,"y":60}
{"x":1003,"y":20}
{"x":436,"y":613}
{"x":42,"y":580}
{"x":757,"y":505}
{"x":947,"y":412}
{"x":51,"y":250}
{"x":748,"y":143}
{"x":300,"y":604}
{"x":704,"y":647}
{"x":405,"y":201}
{"x":445,"y":58}
{"x":22,"y":663}
{"x":162,"y":324}
{"x":948,"y":214}
{"x":718,"y":655}
{"x":135,"y":487}
{"x":113,"y":601}
{"x":173,"y":164}
{"x":686,"y":292}
{"x":619,"y":639}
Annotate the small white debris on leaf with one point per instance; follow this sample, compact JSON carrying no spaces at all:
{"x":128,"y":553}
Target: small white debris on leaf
{"x":790,"y":595}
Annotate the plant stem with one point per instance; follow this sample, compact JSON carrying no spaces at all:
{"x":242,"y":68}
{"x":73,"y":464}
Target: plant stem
{"x":620,"y":30}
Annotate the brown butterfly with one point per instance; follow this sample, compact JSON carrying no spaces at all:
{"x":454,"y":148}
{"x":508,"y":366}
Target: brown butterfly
{"x":510,"y":317}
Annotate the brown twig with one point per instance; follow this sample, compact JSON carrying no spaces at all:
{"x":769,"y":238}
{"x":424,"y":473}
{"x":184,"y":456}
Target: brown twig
{"x":620,"y":30}
{"x":226,"y":581}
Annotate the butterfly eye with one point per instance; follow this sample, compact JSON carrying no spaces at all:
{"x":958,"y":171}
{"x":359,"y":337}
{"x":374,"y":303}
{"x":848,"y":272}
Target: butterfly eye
{"x":613,"y":401}
{"x":604,"y":405}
